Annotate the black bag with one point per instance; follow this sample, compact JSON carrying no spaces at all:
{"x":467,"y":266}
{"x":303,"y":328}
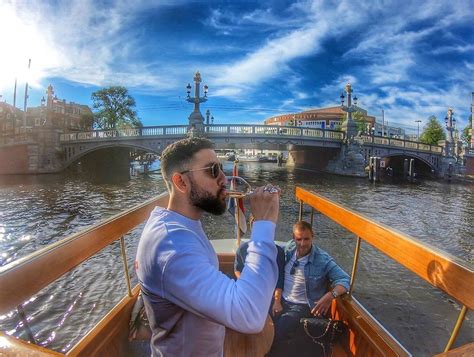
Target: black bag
{"x":323,"y":332}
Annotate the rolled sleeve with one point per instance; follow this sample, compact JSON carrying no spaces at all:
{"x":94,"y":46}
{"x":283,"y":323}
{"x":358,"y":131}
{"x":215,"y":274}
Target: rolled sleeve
{"x":336,"y":275}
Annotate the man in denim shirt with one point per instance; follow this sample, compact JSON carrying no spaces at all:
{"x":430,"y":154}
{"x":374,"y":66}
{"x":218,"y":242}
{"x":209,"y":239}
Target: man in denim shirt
{"x":308,"y":272}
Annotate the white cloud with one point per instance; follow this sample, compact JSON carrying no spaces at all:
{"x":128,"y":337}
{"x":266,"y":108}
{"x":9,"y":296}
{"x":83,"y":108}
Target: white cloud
{"x":78,"y":41}
{"x":269,"y":60}
{"x":453,"y":49}
{"x":86,"y":44}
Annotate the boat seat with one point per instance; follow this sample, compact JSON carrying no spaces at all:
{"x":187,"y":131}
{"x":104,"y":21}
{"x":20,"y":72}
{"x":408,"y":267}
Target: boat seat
{"x":237,"y":344}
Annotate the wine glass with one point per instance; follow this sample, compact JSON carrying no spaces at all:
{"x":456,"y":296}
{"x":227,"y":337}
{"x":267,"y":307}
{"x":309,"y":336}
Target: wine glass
{"x":237,"y":187}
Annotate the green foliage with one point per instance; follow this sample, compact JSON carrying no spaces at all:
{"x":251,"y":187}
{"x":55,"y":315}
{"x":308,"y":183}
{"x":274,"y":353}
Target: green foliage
{"x":114,"y":109}
{"x":432,"y":132}
{"x":86,"y":121}
{"x":359,"y":119}
{"x":467,"y":132}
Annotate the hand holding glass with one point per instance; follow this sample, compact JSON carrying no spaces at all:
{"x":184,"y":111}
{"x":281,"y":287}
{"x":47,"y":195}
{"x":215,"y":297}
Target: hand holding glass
{"x":237,"y":187}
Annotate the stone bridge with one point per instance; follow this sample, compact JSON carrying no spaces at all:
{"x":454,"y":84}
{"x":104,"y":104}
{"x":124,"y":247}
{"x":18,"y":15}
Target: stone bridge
{"x":155,"y":139}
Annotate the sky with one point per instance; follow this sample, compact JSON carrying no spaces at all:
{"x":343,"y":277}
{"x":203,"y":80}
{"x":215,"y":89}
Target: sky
{"x":412,"y":59}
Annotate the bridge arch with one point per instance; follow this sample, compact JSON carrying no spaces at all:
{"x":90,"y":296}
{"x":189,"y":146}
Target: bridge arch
{"x":84,"y":151}
{"x":396,"y":162}
{"x":411,"y":155}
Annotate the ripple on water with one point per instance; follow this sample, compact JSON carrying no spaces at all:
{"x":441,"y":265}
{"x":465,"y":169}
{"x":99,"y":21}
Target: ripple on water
{"x":39,"y":210}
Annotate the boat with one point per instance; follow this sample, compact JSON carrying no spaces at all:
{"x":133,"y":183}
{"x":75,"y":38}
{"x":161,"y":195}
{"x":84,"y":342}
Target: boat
{"x":248,"y":158}
{"x":23,"y":278}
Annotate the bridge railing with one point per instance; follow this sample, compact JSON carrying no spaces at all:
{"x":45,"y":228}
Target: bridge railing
{"x":224,"y":129}
{"x":128,"y":132}
{"x":273,"y":130}
{"x":414,"y":145}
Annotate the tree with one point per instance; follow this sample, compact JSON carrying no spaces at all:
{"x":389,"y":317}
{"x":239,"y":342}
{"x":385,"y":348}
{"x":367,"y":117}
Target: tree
{"x":467,"y":132}
{"x":87,"y":121}
{"x":432,"y":132}
{"x":359,"y":120}
{"x":115,"y":108}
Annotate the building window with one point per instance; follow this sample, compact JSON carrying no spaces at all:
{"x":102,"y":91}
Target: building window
{"x":37,"y":122}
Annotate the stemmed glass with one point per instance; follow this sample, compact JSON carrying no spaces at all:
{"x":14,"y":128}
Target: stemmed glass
{"x":237,"y":187}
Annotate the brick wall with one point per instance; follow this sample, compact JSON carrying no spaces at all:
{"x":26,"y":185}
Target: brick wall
{"x":14,"y":159}
{"x":469,"y":165}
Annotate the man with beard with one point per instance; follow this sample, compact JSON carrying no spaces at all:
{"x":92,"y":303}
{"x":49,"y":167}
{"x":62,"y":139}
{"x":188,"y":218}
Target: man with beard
{"x":187,"y":299}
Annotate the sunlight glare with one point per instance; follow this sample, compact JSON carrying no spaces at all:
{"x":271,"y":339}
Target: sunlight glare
{"x":24,"y":40}
{"x":4,"y":343}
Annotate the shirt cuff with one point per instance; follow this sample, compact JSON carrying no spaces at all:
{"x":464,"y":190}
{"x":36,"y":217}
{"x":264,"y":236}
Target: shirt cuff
{"x":263,"y":231}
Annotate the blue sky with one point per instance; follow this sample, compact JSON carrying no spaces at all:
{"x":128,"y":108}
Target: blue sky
{"x":259,"y":58}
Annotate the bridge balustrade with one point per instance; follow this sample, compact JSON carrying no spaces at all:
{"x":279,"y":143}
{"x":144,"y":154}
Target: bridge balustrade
{"x":411,"y":145}
{"x":273,"y":130}
{"x":245,"y":129}
{"x":218,"y":129}
{"x":401,"y":143}
{"x":381,"y":141}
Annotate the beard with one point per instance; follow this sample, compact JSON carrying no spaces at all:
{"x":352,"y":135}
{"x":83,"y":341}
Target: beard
{"x":206,"y":201}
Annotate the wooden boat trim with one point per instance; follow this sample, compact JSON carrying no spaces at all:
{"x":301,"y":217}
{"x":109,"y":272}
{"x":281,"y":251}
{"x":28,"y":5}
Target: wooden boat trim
{"x":24,"y":277}
{"x":440,"y":269}
{"x":463,"y":351}
{"x":361,"y":322}
{"x":11,"y":346}
{"x":19,"y":278}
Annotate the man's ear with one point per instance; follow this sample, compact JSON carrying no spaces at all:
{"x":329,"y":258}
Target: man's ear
{"x":180,"y":182}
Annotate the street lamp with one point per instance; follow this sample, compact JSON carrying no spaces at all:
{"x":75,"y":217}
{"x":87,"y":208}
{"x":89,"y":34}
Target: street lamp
{"x":196,"y":118}
{"x":418,"y":129}
{"x":450,"y":126}
{"x":349,"y":126}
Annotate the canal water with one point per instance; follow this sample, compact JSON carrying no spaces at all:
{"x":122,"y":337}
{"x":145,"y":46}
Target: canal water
{"x":38,"y":210}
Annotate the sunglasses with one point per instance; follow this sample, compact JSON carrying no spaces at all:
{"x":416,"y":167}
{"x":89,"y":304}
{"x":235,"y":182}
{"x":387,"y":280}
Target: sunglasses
{"x":293,"y":268}
{"x":214,"y":170}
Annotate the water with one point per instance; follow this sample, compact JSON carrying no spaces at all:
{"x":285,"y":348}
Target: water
{"x":39,"y":210}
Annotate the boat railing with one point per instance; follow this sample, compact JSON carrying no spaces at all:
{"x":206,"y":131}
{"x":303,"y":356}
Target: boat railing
{"x":26,"y":276}
{"x":440,"y":269}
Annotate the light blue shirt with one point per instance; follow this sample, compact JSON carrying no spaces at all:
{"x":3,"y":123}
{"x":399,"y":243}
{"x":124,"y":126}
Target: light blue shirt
{"x":187,"y":299}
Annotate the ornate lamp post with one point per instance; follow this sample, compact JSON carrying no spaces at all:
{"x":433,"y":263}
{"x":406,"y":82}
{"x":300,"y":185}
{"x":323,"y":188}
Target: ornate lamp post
{"x":450,"y":126}
{"x":195,"y":118}
{"x":349,"y":126}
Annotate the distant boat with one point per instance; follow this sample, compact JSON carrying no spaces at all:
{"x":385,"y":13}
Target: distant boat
{"x":248,"y":158}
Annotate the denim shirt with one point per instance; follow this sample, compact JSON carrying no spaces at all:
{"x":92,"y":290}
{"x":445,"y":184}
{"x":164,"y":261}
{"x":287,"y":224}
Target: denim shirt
{"x":320,"y":270}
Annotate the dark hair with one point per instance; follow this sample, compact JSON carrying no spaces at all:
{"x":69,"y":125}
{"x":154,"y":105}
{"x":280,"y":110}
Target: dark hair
{"x":180,"y":153}
{"x":301,"y":226}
